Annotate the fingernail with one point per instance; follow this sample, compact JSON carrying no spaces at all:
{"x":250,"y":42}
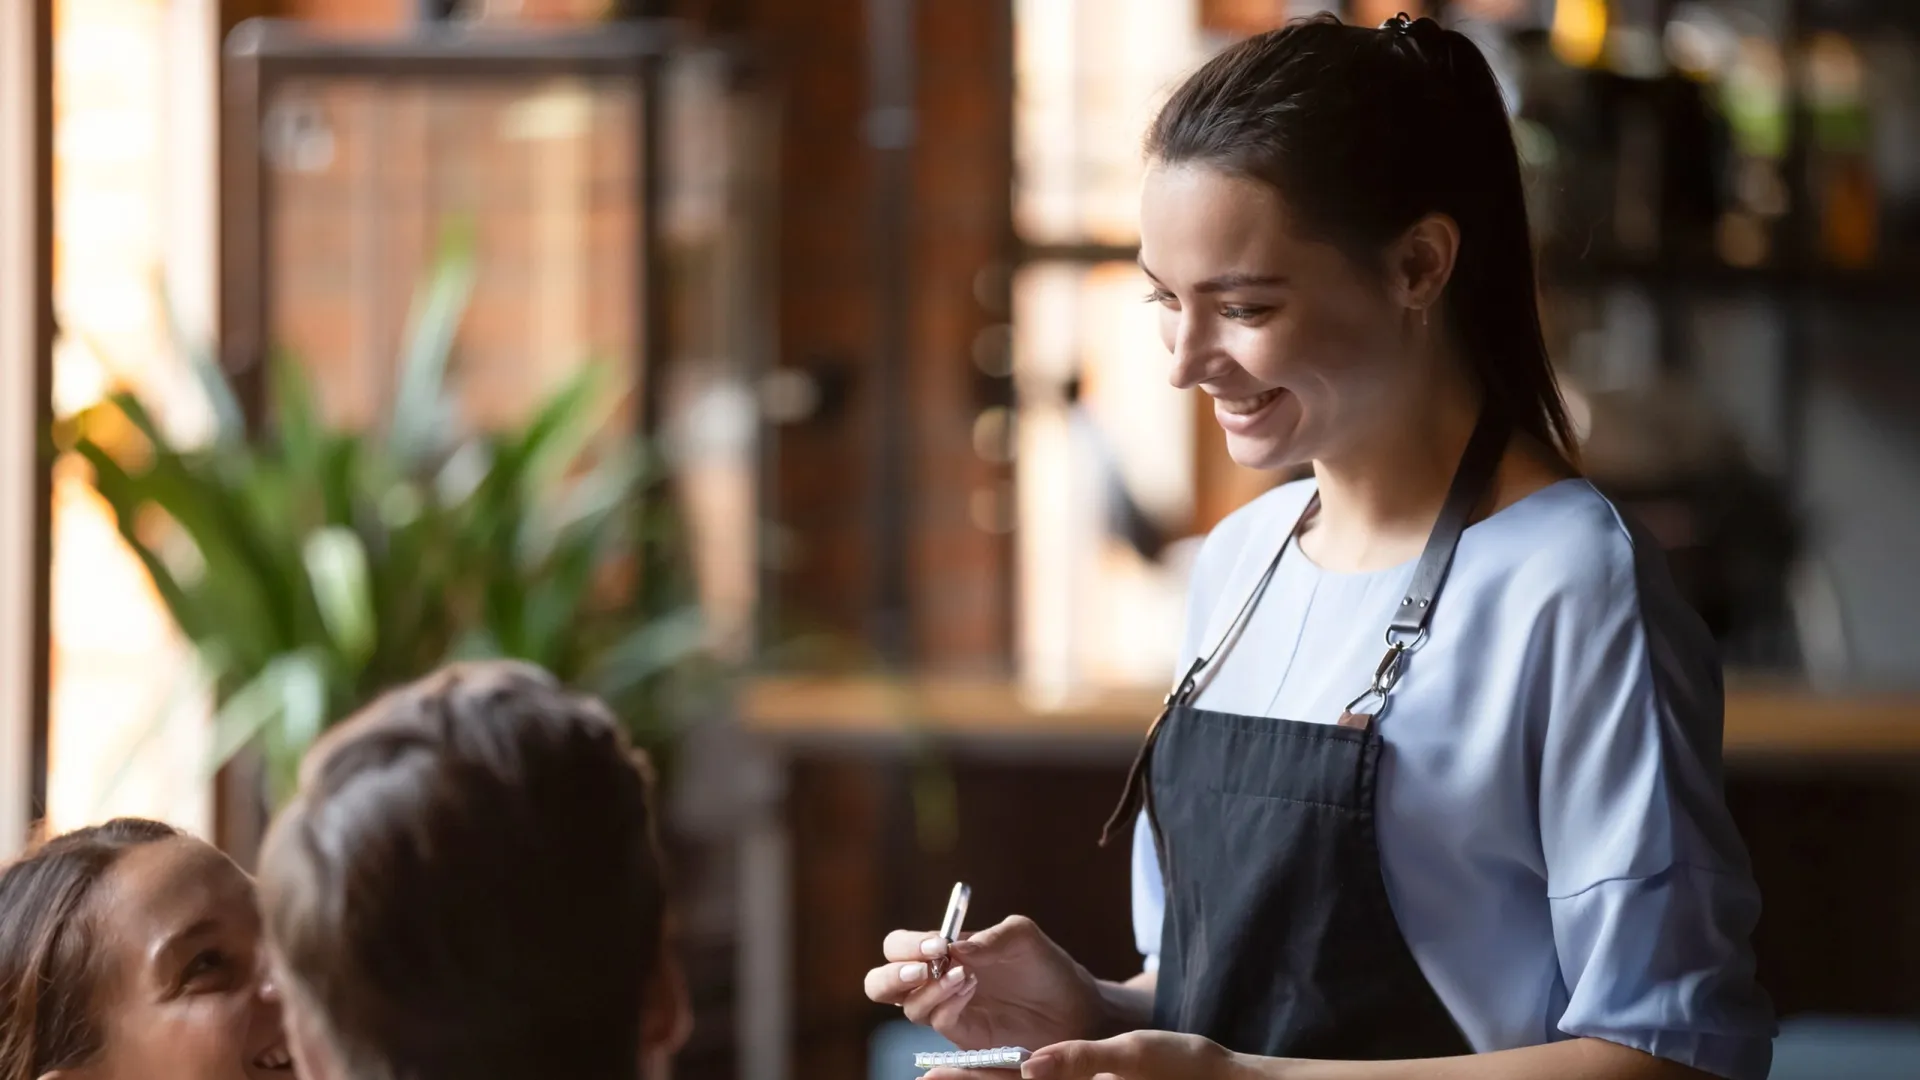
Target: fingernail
{"x":1037,"y":1069}
{"x":933,"y":947}
{"x":913,"y":973}
{"x":956,"y":975}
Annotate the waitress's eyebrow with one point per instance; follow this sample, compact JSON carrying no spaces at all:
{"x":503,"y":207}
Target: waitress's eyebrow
{"x":1227,"y":282}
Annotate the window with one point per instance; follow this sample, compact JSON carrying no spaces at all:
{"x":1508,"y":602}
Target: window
{"x":1117,"y":480}
{"x":134,"y":112}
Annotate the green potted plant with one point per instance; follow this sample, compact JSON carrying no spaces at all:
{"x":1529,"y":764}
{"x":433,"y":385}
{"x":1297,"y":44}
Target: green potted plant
{"x":313,"y":566}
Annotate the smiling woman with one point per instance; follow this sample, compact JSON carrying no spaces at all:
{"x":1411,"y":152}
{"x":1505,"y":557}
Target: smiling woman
{"x":1524,"y":868}
{"x":129,"y":950}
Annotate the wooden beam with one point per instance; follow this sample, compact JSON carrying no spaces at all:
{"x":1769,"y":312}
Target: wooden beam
{"x":26,"y":355}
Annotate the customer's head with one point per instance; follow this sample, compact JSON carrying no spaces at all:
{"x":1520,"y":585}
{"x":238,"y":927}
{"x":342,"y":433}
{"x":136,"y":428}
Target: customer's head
{"x":130,"y":951}
{"x":468,"y":886}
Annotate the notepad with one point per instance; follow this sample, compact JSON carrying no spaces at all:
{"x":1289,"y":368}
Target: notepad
{"x":1003,"y":1057}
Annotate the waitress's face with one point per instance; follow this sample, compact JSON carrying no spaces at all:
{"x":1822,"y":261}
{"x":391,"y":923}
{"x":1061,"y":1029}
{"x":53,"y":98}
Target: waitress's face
{"x":182,"y":994}
{"x":1302,"y":350}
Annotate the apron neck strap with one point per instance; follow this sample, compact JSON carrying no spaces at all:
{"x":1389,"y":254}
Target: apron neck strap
{"x":1471,"y":482}
{"x":1134,"y":796}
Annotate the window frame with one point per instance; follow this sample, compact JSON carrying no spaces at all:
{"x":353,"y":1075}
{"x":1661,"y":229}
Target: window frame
{"x":26,"y":359}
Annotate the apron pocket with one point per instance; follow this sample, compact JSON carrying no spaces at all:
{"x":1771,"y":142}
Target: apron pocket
{"x":1313,"y":765}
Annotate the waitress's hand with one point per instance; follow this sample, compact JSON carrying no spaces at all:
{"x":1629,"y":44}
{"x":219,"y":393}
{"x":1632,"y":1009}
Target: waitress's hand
{"x":1008,"y":985}
{"x":1138,"y":1055}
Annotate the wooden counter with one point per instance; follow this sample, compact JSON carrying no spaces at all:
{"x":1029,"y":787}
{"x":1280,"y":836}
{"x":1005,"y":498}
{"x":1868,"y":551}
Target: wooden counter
{"x":1761,"y":720}
{"x":1815,"y":780}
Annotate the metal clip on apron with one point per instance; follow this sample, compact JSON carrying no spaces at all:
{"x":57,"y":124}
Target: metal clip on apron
{"x":1279,"y":939}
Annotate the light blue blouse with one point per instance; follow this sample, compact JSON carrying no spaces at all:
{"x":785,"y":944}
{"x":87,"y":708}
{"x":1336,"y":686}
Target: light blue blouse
{"x":1552,"y":829}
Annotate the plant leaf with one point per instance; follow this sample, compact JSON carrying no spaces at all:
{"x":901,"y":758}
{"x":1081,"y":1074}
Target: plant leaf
{"x":595,"y":503}
{"x":336,"y":565}
{"x":296,"y":421}
{"x":246,"y":713}
{"x":290,"y":692}
{"x":122,"y":494}
{"x":565,"y":424}
{"x":229,"y":422}
{"x":303,"y":713}
{"x":647,"y":651}
{"x":420,"y":410}
{"x":241,"y":584}
{"x":191,"y":680}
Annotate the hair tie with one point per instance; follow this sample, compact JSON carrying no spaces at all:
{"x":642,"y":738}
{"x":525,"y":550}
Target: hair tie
{"x":1428,"y":38}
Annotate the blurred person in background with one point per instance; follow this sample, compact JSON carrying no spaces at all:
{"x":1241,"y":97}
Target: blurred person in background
{"x":1525,"y":867}
{"x":468,"y":887}
{"x":131,"y":951}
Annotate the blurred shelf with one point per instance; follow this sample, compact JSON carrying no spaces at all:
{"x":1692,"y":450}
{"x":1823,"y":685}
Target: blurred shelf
{"x":1761,"y":720}
{"x":1886,"y":281}
{"x":1879,"y":283}
{"x":851,"y":712}
{"x":295,"y":47}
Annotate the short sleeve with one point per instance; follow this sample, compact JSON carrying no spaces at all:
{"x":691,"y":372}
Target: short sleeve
{"x":1652,"y":899}
{"x":1149,"y":894}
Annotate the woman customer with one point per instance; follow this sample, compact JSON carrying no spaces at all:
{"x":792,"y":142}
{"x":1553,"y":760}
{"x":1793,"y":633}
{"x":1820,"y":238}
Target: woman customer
{"x":131,"y":951}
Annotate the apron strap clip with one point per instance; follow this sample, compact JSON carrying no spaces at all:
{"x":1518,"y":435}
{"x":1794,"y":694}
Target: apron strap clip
{"x":1386,"y":676}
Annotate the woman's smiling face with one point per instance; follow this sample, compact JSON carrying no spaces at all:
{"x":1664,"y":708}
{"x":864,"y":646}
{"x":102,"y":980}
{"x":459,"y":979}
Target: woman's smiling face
{"x":1300,"y":347}
{"x":182,"y":992}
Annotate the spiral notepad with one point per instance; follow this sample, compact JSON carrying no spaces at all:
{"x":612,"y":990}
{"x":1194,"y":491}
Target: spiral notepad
{"x":1004,"y":1057}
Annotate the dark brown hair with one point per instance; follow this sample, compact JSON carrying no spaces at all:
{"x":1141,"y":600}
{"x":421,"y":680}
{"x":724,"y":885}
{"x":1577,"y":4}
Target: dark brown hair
{"x":1364,"y":132}
{"x":468,"y":884}
{"x":48,"y":960}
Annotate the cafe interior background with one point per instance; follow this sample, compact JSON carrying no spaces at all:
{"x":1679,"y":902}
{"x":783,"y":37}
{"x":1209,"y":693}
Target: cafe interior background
{"x":846,"y":463}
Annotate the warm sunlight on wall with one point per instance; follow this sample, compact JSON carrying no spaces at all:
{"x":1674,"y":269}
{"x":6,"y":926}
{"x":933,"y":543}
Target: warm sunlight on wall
{"x":1088,"y":76}
{"x":1085,"y":594}
{"x":133,"y":114}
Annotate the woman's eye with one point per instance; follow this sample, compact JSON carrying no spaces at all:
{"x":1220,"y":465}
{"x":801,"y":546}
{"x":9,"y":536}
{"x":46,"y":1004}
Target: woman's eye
{"x":210,"y":965}
{"x":1158,"y":296}
{"x":1243,"y":313}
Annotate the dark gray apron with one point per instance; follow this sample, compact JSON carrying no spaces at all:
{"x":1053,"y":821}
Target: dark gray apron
{"x":1278,"y":938}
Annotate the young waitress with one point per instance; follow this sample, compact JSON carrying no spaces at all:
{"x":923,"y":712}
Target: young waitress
{"x":1437,"y":792}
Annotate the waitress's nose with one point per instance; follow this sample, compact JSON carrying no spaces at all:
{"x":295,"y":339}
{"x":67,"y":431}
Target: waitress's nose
{"x":1192,"y":348}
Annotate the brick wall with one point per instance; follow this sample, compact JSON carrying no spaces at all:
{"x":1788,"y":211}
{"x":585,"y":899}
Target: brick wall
{"x":960,"y":589}
{"x":963,"y":180}
{"x":815,"y":60}
{"x":959,"y":575}
{"x":554,"y":232}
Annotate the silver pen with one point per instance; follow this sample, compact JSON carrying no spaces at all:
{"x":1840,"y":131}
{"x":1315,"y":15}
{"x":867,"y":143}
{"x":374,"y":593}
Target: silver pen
{"x":950,"y":928}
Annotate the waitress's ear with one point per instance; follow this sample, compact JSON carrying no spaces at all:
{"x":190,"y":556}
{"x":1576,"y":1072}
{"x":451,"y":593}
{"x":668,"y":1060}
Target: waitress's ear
{"x":1420,"y":263}
{"x":668,"y":1021}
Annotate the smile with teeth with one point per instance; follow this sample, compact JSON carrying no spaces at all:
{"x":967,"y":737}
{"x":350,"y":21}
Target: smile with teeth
{"x":1247,"y":406}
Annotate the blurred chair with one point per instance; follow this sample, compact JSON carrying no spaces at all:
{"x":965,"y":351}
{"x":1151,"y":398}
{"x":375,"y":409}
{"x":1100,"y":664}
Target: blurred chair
{"x":1827,"y":1047}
